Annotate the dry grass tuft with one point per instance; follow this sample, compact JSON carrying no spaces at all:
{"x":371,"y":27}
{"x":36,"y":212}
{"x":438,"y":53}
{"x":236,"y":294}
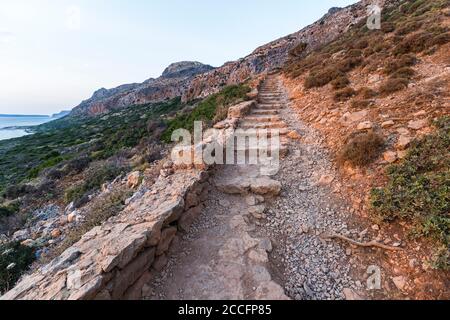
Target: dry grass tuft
{"x":361,"y":149}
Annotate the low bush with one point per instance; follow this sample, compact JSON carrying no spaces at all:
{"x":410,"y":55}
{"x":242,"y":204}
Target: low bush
{"x":361,"y":149}
{"x":366,"y":93}
{"x":211,"y":110}
{"x":361,"y":104}
{"x":406,"y":60}
{"x":340,"y":82}
{"x":350,"y":63}
{"x":408,"y":28}
{"x":322,"y":77}
{"x":96,"y":175}
{"x":16,"y":191}
{"x":387,"y":27}
{"x":393,"y":85}
{"x":15,"y":260}
{"x":7,"y":210}
{"x":419,"y":189}
{"x":344,"y":94}
{"x":403,"y":73}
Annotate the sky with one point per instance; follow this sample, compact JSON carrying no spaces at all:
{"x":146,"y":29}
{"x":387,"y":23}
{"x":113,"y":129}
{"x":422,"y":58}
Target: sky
{"x":56,"y":53}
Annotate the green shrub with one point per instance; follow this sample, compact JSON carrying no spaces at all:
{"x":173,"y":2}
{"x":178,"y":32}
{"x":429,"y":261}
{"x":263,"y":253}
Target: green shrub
{"x":15,"y":260}
{"x":419,"y":188}
{"x":211,"y":110}
{"x":361,"y":149}
{"x":96,"y":175}
{"x":10,"y":209}
{"x":34,"y":173}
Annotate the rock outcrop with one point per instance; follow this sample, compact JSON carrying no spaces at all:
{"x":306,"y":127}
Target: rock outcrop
{"x":275,"y":54}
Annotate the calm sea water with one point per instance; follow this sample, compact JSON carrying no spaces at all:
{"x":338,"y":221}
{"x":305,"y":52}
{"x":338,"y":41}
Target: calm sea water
{"x":18,"y":122}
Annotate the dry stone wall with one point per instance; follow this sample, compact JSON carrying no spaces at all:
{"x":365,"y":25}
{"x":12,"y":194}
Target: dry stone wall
{"x":112,"y":261}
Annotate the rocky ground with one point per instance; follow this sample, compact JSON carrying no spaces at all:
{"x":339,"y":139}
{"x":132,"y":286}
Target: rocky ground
{"x":217,"y":259}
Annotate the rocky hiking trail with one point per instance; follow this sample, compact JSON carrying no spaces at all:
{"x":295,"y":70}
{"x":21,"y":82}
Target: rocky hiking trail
{"x":262,"y":237}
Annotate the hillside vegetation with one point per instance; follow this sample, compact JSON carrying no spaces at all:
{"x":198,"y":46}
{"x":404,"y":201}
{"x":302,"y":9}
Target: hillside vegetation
{"x":417,"y":188}
{"x":68,"y":160}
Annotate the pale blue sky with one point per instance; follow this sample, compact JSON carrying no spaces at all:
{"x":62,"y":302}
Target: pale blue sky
{"x":55,"y":53}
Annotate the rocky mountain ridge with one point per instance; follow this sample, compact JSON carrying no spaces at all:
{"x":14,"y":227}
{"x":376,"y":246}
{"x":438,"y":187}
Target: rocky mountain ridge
{"x":170,"y":84}
{"x":192,"y":80}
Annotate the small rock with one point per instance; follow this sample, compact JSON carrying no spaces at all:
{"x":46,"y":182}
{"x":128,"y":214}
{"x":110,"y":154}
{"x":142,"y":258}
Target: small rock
{"x":21,"y":235}
{"x":402,"y":154}
{"x":400,"y":282}
{"x":265,"y":185}
{"x":305,"y":228}
{"x":325,"y":180}
{"x":403,"y":131}
{"x":266,"y":245}
{"x":133,"y":179}
{"x":168,"y":165}
{"x":251,"y":200}
{"x":376,"y":227}
{"x":56,"y":233}
{"x":308,"y":290}
{"x":11,"y":266}
{"x":417,"y":125}
{"x":366,"y":125}
{"x":28,"y":243}
{"x":351,"y":295}
{"x":259,"y":209}
{"x":387,"y":124}
{"x":403,"y":142}
{"x":294,"y":135}
{"x":390,"y":156}
{"x":71,"y":217}
{"x":413,"y":263}
{"x":224,"y":203}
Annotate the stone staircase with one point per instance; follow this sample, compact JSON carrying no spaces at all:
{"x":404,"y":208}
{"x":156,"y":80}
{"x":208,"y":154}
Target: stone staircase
{"x":265,"y":115}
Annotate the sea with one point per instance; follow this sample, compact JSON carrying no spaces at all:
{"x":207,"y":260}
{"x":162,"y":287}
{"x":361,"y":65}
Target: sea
{"x":12,"y":126}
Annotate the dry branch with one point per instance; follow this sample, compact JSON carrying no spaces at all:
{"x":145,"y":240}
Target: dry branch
{"x":372,"y":243}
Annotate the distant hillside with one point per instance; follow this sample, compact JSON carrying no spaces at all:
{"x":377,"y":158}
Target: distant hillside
{"x":193,"y":80}
{"x":172,"y":83}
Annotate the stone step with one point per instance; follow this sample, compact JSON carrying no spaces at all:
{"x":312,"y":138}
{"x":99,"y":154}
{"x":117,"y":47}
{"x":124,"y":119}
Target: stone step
{"x":262,"y":119}
{"x":269,"y":107}
{"x":262,"y":99}
{"x":270,"y":93}
{"x":281,"y":150}
{"x":282,"y":132}
{"x":263,"y":125}
{"x":264,"y":112}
